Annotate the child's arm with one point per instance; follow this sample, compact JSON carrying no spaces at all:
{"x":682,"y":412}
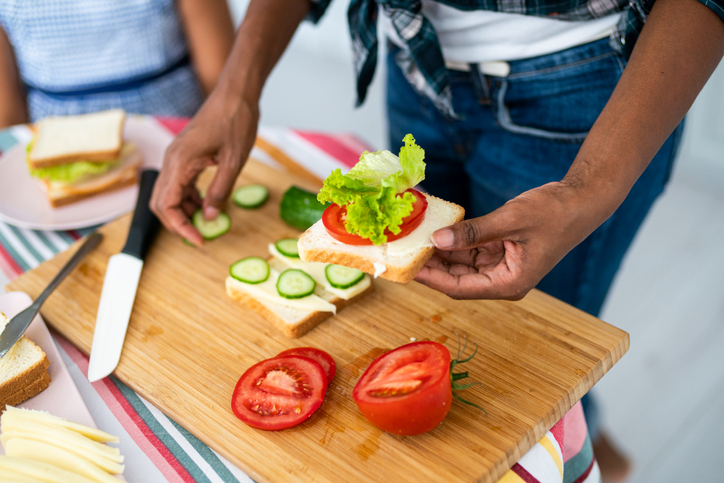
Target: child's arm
{"x":210,"y":34}
{"x":13,"y":109}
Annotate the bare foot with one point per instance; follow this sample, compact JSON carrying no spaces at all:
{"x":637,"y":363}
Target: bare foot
{"x":614,"y":464}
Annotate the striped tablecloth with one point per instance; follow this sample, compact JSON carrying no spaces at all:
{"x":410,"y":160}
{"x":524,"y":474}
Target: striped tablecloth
{"x":157,"y":448}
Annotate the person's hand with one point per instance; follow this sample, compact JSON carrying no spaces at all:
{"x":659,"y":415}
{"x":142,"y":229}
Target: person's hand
{"x":222,"y":133}
{"x":504,"y":254}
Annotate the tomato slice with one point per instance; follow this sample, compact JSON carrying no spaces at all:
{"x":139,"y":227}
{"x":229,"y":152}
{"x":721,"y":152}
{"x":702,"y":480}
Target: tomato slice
{"x":279,"y":393}
{"x":406,"y":391}
{"x":324,"y":359}
{"x":334,"y":216}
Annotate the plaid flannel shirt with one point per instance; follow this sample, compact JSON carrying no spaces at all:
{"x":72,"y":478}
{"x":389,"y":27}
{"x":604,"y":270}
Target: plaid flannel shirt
{"x":422,"y":61}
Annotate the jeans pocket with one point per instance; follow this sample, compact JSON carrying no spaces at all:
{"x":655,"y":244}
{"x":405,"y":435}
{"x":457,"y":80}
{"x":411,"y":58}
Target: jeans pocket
{"x":505,"y":120}
{"x":558,"y":104}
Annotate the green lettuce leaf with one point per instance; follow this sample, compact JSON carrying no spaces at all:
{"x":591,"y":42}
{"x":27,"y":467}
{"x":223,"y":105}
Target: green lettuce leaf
{"x":370,"y":189}
{"x":71,"y":172}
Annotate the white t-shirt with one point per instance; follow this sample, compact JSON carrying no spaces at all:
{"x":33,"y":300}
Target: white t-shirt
{"x":482,"y":36}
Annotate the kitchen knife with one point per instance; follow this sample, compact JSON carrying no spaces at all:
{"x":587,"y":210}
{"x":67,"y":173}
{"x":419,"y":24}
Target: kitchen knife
{"x":120,"y":284}
{"x":17,"y":326}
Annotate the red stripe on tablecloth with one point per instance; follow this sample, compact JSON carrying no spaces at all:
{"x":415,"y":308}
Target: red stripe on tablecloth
{"x":74,"y":234}
{"x":173,"y":124}
{"x":9,"y":267}
{"x":523,"y":474}
{"x":585,"y":474}
{"x":332,"y":146}
{"x":134,"y":425}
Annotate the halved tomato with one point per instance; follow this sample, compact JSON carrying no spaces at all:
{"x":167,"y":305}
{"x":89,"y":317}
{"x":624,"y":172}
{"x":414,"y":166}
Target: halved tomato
{"x":279,"y":393}
{"x":334,"y":217}
{"x":324,"y":359}
{"x":408,"y":390}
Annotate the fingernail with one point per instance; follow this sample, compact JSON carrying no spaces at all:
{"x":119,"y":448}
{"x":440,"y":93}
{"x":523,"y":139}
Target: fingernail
{"x":210,"y":213}
{"x":443,"y":239}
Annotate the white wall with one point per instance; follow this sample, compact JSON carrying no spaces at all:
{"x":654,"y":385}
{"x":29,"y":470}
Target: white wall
{"x":313,"y":86}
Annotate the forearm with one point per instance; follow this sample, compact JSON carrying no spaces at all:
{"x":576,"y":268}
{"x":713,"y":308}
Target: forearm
{"x":13,"y":108}
{"x":679,"y":47}
{"x":210,"y":35}
{"x":264,"y":34}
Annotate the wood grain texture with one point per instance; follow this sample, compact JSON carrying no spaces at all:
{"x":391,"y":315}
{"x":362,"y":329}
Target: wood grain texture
{"x":188,"y":343}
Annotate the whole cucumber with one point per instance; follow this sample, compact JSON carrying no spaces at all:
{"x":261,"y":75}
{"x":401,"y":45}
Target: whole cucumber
{"x":300,"y":209}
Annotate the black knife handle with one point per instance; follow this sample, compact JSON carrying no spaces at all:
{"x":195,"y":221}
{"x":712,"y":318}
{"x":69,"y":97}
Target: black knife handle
{"x":144,"y":225}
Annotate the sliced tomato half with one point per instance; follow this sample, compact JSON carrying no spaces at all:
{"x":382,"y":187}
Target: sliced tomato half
{"x":407,"y":391}
{"x":324,"y":359}
{"x":279,"y":393}
{"x":334,"y":217}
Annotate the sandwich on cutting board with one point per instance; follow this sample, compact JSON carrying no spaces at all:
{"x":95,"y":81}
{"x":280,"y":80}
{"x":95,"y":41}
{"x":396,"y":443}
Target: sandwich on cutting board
{"x":377,"y":222}
{"x":79,"y":156}
{"x":295,"y":296}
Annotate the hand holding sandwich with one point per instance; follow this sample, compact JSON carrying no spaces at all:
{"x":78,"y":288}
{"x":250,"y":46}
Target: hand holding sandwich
{"x":504,"y":254}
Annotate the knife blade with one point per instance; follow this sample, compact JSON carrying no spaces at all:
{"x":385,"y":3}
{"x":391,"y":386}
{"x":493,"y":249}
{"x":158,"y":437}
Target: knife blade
{"x":120,"y":285}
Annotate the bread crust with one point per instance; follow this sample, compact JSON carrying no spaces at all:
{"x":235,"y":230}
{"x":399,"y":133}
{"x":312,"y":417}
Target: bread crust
{"x":99,"y":157}
{"x":27,"y":383}
{"x":128,"y":179}
{"x":395,"y":273}
{"x":298,"y":329}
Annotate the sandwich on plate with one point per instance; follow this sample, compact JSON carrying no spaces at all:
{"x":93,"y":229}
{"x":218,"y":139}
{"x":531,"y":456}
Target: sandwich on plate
{"x":377,"y":222}
{"x":79,"y":156}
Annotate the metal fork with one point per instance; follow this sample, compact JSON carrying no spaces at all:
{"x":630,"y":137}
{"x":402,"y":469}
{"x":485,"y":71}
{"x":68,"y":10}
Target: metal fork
{"x":17,"y":326}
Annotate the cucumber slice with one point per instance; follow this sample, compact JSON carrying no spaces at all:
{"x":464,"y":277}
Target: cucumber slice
{"x":343,"y":277}
{"x":210,"y":229}
{"x":288,"y":247}
{"x":295,"y":284}
{"x":300,"y":209}
{"x":251,"y":196}
{"x":250,"y":270}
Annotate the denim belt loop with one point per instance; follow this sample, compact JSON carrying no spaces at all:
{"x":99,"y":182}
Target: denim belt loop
{"x":482,"y":87}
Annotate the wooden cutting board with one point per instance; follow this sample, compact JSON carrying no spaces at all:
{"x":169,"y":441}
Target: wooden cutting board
{"x":188,"y":343}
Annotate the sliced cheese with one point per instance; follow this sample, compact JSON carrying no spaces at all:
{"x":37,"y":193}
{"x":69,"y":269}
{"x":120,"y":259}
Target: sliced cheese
{"x":48,"y":419}
{"x":52,"y":455}
{"x":267,"y":291}
{"x":62,"y":436}
{"x":316,"y":270}
{"x":111,"y":465}
{"x":37,"y":471}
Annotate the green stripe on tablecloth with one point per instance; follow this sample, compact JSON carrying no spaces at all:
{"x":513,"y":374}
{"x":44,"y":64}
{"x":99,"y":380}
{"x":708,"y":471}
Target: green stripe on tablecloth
{"x":158,"y":430}
{"x":7,"y":140}
{"x":206,"y":453}
{"x":24,"y":266}
{"x":576,"y":466}
{"x":47,"y":242}
{"x":28,"y":246}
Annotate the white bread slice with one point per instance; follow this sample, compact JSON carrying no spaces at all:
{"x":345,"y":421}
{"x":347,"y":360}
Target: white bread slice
{"x":23,"y":370}
{"x":87,"y":137}
{"x":398,"y":261}
{"x":291,"y":322}
{"x":125,"y":174}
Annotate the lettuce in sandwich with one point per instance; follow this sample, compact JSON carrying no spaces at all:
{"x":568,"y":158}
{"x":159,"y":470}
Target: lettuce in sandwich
{"x":373,"y":191}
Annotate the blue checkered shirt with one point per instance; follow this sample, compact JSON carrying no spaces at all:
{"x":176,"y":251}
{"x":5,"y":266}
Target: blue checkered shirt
{"x":422,"y":61}
{"x":77,"y":56}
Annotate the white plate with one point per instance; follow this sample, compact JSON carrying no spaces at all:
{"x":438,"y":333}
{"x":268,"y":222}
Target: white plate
{"x":61,"y":398}
{"x":23,"y":202}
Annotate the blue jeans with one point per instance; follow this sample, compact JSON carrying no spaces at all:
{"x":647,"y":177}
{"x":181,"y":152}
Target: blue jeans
{"x":520,"y":132}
